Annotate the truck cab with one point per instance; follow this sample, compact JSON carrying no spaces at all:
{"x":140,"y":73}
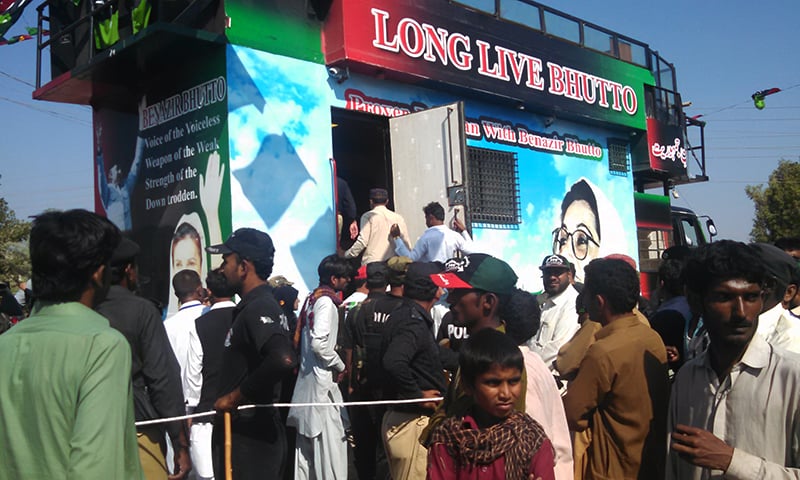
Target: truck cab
{"x":659,"y":226}
{"x":687,"y":228}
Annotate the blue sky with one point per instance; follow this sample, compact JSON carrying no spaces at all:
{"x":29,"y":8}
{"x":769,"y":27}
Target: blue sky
{"x":723,"y":52}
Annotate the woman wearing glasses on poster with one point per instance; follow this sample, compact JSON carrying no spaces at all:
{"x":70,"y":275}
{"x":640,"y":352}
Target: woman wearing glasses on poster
{"x":590,"y":227}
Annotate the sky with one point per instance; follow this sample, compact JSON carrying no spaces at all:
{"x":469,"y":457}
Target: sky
{"x":723,"y":52}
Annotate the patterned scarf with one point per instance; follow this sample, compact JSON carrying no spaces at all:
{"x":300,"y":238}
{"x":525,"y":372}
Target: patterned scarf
{"x":517,"y":438}
{"x":307,"y":313}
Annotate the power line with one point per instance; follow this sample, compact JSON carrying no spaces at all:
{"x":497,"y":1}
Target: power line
{"x":48,"y":112}
{"x":22,"y":177}
{"x":745,"y":157}
{"x":12,"y":77}
{"x":89,"y":187}
{"x":750,"y":107}
{"x":771,"y":107}
{"x":754,"y":135}
{"x":772,"y":147}
{"x":757,"y":120}
{"x":745,"y":102}
{"x":740,"y":181}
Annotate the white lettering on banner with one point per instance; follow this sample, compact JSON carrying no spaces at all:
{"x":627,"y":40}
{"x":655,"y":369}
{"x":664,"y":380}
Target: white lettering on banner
{"x":427,"y":39}
{"x":670,"y":152}
{"x":433,"y":44}
{"x":188,"y":101}
{"x":519,"y":63}
{"x":587,"y":88}
{"x":497,"y":131}
{"x":539,"y":142}
{"x":472,"y":129}
{"x":490,"y":129}
{"x":359,"y":102}
{"x":583,"y":149}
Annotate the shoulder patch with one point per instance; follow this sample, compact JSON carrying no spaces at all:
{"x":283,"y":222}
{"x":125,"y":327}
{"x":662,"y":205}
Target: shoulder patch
{"x":266,"y":320}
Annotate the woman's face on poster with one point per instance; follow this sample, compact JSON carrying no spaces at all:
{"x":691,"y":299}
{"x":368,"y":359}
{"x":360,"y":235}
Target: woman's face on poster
{"x":577,"y":238}
{"x":186,"y":254}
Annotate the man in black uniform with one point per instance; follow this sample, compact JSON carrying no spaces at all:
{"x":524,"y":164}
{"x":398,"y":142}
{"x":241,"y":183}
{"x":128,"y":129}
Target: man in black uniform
{"x":365,"y":324}
{"x":413,"y":370}
{"x":258,"y":355}
{"x":155,"y":374}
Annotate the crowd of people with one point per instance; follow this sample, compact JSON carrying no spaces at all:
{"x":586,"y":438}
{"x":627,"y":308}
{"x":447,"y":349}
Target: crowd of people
{"x":402,"y":363}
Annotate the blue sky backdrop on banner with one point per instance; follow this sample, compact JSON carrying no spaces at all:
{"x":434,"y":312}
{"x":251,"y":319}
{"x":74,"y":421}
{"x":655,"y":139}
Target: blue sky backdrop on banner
{"x":723,"y":53}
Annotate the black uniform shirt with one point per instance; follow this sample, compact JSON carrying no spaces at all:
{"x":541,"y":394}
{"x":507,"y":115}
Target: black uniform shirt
{"x":258,"y":352}
{"x":365,"y":327}
{"x":371,"y":317}
{"x":410,"y":353}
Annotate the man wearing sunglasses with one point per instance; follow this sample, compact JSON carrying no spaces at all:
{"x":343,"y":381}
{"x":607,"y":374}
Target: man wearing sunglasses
{"x":559,"y":320}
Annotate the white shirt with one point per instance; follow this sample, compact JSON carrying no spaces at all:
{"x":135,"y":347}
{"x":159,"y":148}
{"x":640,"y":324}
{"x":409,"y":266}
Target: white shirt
{"x":559,"y":322}
{"x":20,"y":297}
{"x":319,"y":362}
{"x":778,"y":327}
{"x":354,"y":299}
{"x":436,"y":244}
{"x":543,"y":403}
{"x":178,"y":327}
{"x":193,"y":376}
{"x":755,"y":409}
{"x":438,"y":311}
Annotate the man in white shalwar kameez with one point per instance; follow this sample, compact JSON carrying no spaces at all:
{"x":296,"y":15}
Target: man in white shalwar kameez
{"x":321,"y":449}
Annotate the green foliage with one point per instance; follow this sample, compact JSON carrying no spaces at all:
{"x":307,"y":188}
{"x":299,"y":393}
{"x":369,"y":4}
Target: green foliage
{"x":14,"y":261}
{"x":777,"y":204}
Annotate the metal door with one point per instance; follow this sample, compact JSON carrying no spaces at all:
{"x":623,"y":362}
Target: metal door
{"x":429,"y":164}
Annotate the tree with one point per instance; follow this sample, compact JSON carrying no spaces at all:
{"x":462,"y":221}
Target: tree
{"x":15,"y":263}
{"x":777,"y":204}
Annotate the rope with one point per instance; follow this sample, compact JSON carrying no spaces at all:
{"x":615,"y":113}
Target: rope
{"x":288,"y":405}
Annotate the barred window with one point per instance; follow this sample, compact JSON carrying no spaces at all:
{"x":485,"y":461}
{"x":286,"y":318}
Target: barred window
{"x":493,"y":188}
{"x":618,"y":160}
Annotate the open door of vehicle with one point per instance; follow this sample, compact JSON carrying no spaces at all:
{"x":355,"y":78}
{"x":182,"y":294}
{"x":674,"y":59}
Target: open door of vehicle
{"x":429,"y":164}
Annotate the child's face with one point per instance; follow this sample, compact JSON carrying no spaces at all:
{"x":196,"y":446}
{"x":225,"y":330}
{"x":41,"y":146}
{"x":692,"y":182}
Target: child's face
{"x":496,"y":390}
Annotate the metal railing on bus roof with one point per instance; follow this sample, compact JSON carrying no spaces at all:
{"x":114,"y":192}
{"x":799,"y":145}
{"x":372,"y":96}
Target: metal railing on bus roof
{"x":586,"y":34}
{"x":57,"y":34}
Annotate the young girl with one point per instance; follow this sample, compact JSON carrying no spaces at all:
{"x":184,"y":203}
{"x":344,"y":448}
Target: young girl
{"x":492,"y":441}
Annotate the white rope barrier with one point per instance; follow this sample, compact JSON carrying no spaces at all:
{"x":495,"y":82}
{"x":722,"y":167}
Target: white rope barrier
{"x":288,"y":405}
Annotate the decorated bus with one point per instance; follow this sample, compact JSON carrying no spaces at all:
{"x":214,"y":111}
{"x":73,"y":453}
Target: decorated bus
{"x":534,"y":128}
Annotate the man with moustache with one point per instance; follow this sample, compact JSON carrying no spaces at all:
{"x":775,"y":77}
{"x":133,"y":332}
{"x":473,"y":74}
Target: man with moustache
{"x":735,"y":409}
{"x":258,"y":355}
{"x":559,"y":320}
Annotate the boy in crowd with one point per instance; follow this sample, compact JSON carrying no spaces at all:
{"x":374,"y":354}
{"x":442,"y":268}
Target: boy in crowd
{"x":492,"y":438}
